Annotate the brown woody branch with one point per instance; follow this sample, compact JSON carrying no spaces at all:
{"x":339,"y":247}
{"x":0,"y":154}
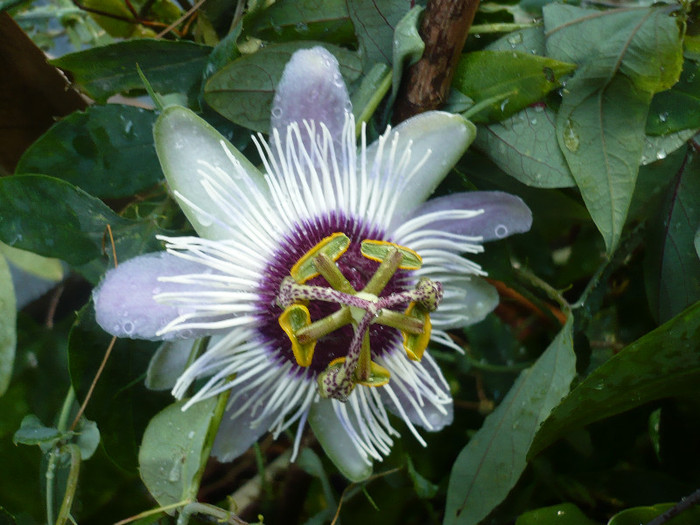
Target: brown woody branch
{"x":444,"y":30}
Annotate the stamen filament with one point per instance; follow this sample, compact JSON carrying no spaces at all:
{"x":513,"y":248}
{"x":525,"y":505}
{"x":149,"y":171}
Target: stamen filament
{"x":325,"y":326}
{"x":384,"y":273}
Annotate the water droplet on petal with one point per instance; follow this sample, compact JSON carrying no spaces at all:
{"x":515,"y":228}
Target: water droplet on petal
{"x":128,"y":327}
{"x":501,"y":231}
{"x":277,"y":112}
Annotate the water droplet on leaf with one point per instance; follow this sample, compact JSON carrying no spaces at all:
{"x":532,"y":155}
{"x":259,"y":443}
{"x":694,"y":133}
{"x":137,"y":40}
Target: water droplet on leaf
{"x":571,"y":140}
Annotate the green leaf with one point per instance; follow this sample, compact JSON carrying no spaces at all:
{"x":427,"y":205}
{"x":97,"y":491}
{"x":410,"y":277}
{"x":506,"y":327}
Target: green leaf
{"x":514,"y":78}
{"x":490,"y":465}
{"x":644,"y":44}
{"x":87,"y":438}
{"x":424,"y":488}
{"x":120,"y":404}
{"x":171,"y":450}
{"x":8,"y":325}
{"x":243,"y":90}
{"x":33,"y":432}
{"x":107,"y":151}
{"x":33,"y":264}
{"x":408,"y":47}
{"x":525,"y":147}
{"x":637,"y":515}
{"x":661,"y":364}
{"x":375,"y":23}
{"x":170,"y":67}
{"x":51,"y":217}
{"x":679,"y":107}
{"x":672,"y":267}
{"x":600,"y":129}
{"x":626,"y":56}
{"x":287,"y":20}
{"x":529,"y":40}
{"x":562,"y":514}
{"x":660,"y":147}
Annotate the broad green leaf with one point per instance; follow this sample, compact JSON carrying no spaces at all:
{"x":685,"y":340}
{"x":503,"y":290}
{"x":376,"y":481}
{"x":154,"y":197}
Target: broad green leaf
{"x":106,"y":150}
{"x":515,"y":79}
{"x":285,"y":20}
{"x":407,"y":48}
{"x":562,"y":514}
{"x":679,"y":107}
{"x":375,"y":23}
{"x":600,"y":129}
{"x":171,"y":450}
{"x":8,"y":325}
{"x":672,"y":268}
{"x":661,"y":146}
{"x":87,"y":438}
{"x":626,"y":55}
{"x":525,"y":147}
{"x":243,"y":90}
{"x":637,"y":515}
{"x":36,"y":265}
{"x":424,"y":488}
{"x":529,"y":40}
{"x":663,"y":363}
{"x":51,"y":217}
{"x":170,"y":67}
{"x":33,"y":432}
{"x":494,"y":459}
{"x":120,"y":404}
{"x":642,"y":43}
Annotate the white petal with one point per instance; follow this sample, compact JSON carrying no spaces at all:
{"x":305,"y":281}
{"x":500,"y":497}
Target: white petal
{"x":311,"y":89}
{"x":336,"y":442}
{"x":436,"y":141}
{"x":125,"y":304}
{"x":467,"y":300}
{"x":187,"y":146}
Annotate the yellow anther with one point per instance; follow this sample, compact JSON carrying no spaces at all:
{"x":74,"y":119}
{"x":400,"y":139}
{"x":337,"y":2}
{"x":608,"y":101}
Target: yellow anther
{"x":333,"y":246}
{"x":378,"y":376}
{"x":415,"y":344}
{"x":379,"y":250}
{"x":293,"y":319}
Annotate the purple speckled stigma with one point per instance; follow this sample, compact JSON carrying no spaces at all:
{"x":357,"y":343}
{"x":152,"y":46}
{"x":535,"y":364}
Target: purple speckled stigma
{"x":356,"y":269}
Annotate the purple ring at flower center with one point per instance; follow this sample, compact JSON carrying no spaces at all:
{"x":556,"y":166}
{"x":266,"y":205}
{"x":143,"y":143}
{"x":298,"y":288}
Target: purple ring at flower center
{"x":356,"y":269}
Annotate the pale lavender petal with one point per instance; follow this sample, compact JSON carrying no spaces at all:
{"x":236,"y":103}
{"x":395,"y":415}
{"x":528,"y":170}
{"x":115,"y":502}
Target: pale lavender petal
{"x":504,"y":214}
{"x":430,"y":381}
{"x":337,"y":443}
{"x":467,"y":299}
{"x":430,"y":144}
{"x":236,"y":434}
{"x":124,"y":304}
{"x":311,"y":89}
